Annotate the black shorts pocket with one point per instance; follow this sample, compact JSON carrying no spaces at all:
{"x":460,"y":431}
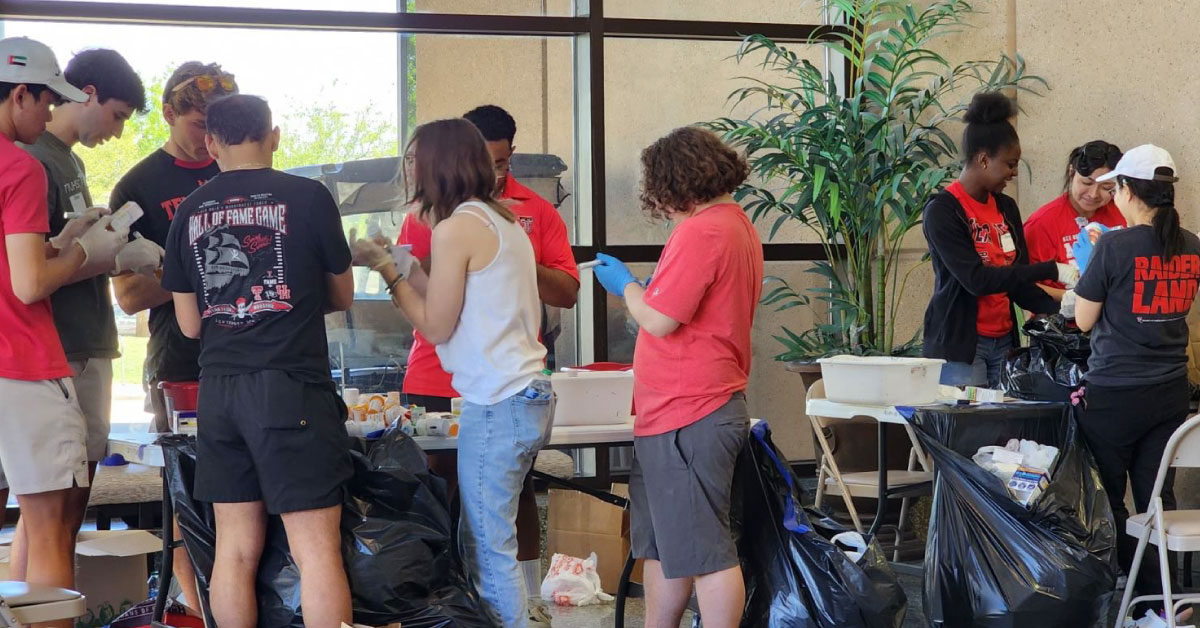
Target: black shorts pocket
{"x":281,"y":402}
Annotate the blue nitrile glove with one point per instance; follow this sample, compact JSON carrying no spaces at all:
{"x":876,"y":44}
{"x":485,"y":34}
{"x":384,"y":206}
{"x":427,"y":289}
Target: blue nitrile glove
{"x":613,"y":274}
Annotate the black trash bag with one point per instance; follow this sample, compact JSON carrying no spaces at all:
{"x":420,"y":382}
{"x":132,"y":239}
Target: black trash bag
{"x":396,"y":542}
{"x":795,"y":578}
{"x":1052,"y":366}
{"x":197,"y":526}
{"x":992,"y":563}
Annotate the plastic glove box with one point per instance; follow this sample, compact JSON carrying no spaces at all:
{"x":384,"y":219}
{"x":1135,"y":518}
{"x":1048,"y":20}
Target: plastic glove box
{"x":593,"y":397}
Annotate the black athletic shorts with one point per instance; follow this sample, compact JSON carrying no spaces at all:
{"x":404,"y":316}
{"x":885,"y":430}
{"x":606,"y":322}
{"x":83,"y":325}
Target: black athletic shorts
{"x":271,"y":437}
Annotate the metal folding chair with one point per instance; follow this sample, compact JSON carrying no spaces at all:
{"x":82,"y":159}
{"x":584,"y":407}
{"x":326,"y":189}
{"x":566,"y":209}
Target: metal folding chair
{"x":1174,"y":530}
{"x":899,"y":484}
{"x":22,"y":604}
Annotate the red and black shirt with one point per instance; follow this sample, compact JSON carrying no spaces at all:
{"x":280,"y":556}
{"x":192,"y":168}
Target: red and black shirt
{"x":995,"y":245}
{"x":159,"y":183}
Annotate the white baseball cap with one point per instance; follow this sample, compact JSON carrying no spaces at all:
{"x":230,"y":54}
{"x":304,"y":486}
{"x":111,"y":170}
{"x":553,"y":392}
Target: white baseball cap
{"x":1140,"y":163}
{"x":23,"y":60}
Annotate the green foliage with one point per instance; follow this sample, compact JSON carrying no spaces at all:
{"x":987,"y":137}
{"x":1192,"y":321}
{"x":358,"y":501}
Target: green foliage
{"x":313,"y":133}
{"x":856,"y":168}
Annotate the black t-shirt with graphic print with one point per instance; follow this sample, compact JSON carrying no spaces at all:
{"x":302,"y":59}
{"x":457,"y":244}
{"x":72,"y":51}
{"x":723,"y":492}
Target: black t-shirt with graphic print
{"x":158,"y":184}
{"x":1141,"y":337}
{"x":255,"y":246}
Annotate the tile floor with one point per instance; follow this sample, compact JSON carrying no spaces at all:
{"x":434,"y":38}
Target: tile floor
{"x":603,"y":615}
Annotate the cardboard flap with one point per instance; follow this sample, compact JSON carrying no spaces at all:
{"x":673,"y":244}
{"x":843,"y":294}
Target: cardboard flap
{"x":578,"y":512}
{"x":117,"y":543}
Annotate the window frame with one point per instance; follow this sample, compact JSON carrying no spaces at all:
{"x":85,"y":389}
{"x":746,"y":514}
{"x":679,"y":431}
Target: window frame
{"x":589,"y":29}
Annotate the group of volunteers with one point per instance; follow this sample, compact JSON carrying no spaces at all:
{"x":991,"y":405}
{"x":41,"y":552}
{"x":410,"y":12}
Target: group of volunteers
{"x":1133,"y":296}
{"x":238,"y":263}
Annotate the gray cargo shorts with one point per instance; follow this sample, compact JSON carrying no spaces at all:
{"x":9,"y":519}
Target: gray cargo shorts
{"x":680,"y":492}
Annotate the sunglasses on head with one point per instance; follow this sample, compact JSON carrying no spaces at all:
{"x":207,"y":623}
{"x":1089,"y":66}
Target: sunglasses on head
{"x":208,"y":82}
{"x":1099,"y":150}
{"x":1095,"y":155}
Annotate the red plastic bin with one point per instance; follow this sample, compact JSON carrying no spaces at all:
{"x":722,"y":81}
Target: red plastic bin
{"x":180,"y":396}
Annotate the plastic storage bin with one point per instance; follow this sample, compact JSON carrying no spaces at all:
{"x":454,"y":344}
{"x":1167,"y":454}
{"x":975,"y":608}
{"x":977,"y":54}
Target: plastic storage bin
{"x":180,"y":399}
{"x":881,"y":380}
{"x":593,"y":397}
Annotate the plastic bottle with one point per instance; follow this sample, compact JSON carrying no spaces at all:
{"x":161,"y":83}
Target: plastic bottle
{"x":393,"y":410}
{"x":374,"y":404}
{"x":438,"y":426}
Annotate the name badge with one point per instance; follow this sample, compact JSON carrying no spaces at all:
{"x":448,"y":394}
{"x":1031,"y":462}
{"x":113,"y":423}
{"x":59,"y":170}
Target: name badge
{"x":77,"y":204}
{"x":1006,"y":243}
{"x":1081,"y":222}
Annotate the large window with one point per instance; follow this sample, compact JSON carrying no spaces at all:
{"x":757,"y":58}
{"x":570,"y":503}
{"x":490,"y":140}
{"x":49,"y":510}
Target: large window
{"x":590,"y":83}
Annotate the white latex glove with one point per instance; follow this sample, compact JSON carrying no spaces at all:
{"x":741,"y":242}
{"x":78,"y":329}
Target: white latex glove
{"x":1067,"y":306}
{"x":403,"y":257}
{"x":139,"y":256}
{"x":101,"y":245}
{"x":77,"y":226}
{"x":369,"y":252}
{"x":376,"y":253}
{"x":1068,"y":274}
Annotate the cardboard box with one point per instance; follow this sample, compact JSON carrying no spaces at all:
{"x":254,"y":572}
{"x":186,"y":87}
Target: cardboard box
{"x":110,"y":570}
{"x":580,"y":524}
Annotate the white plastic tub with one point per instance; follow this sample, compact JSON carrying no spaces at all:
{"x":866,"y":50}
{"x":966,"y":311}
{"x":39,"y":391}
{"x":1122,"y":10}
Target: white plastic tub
{"x":880,"y":380}
{"x":593,"y":397}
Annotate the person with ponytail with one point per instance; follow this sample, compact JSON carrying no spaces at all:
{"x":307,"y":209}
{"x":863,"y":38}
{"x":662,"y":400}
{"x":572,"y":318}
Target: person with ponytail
{"x":980,"y":258}
{"x":1053,"y":229}
{"x":1134,"y":298}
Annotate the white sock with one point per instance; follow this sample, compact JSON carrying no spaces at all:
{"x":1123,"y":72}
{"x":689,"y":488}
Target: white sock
{"x":531,"y":571}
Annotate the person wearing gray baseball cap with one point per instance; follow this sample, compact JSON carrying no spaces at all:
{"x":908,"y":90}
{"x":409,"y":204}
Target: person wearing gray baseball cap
{"x":1134,"y":298}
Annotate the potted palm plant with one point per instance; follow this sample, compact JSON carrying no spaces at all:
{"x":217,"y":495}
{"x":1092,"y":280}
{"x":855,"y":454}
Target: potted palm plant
{"x":854,"y":161}
{"x":855,"y":164}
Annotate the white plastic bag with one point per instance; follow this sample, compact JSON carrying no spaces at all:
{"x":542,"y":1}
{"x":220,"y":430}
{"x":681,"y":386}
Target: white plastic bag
{"x":573,"y":581}
{"x":854,"y":541}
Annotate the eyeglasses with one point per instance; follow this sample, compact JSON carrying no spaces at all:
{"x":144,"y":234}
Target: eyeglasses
{"x":208,"y":82}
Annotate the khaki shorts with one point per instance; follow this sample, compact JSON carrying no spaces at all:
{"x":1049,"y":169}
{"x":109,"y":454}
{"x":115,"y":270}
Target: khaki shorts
{"x":42,"y":436}
{"x":93,"y":383}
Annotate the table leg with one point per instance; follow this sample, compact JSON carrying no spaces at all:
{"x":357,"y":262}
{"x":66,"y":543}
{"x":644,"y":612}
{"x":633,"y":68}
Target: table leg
{"x":166,"y":572}
{"x":623,"y":590}
{"x":603,"y":466}
{"x":881,"y":507}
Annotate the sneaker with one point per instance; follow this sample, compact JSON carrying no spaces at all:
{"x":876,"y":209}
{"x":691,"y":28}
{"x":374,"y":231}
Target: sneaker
{"x":539,"y":615}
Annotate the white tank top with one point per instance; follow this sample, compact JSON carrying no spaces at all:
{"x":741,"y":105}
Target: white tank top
{"x":494,"y":352}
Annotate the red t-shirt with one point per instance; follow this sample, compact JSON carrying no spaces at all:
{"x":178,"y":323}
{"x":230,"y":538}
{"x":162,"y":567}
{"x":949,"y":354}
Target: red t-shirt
{"x":551,"y":248}
{"x":709,"y":278}
{"x":1052,"y":230}
{"x":992,"y":238}
{"x":29,"y":346}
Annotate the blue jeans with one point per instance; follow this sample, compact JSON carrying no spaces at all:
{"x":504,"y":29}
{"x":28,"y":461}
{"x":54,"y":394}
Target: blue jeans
{"x":496,"y":447}
{"x":985,"y":371}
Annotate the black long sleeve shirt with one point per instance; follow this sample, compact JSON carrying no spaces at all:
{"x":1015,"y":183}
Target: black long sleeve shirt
{"x":961,"y":277}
